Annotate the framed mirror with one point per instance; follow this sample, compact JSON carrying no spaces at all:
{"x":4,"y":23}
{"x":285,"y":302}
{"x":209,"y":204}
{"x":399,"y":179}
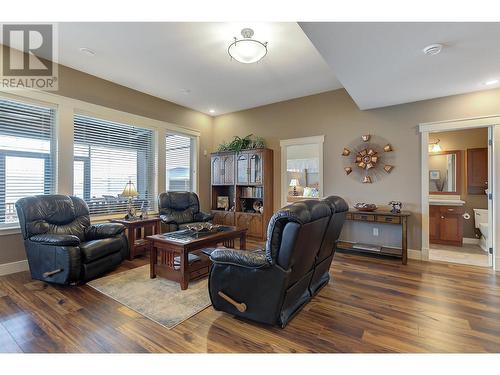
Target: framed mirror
{"x":445,"y":172}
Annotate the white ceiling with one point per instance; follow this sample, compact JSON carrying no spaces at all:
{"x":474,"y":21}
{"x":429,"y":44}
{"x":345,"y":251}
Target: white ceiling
{"x":382,"y":64}
{"x":165,"y":59}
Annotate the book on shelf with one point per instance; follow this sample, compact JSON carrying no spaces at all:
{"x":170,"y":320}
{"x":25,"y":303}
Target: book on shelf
{"x":252,"y":192}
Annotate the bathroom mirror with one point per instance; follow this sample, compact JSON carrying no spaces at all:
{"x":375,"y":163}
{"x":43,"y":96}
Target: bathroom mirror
{"x":445,"y":172}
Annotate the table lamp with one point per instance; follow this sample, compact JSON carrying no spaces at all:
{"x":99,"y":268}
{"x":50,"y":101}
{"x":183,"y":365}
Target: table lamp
{"x":130,"y":192}
{"x":294,"y":183}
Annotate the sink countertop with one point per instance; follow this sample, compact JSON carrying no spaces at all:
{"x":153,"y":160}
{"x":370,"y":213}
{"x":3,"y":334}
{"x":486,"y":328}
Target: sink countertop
{"x":446,"y":202}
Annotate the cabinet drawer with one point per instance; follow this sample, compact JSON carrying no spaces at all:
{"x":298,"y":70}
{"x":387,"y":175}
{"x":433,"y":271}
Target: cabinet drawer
{"x":389,"y":219}
{"x":363,"y":217}
{"x":459,"y":210}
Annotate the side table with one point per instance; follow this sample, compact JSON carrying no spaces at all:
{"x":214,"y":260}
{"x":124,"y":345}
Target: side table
{"x":136,"y":230}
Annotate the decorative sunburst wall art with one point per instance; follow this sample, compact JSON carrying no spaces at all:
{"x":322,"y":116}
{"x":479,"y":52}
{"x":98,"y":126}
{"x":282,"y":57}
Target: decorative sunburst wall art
{"x":368,"y":161}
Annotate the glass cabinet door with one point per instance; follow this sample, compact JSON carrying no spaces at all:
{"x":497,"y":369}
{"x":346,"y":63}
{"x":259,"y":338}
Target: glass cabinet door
{"x":228,"y":166}
{"x":256,"y":168}
{"x":216,"y":171}
{"x":242,"y":169}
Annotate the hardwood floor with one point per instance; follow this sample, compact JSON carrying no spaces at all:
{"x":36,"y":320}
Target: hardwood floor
{"x":371,"y":305}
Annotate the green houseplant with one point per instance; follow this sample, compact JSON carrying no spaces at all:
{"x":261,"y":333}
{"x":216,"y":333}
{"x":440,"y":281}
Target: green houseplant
{"x":238,"y":144}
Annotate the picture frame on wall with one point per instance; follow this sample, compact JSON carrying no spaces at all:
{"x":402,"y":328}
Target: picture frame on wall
{"x":434,"y":175}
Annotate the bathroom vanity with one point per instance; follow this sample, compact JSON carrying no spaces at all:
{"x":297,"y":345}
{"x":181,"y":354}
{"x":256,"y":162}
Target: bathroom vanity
{"x":446,"y":209}
{"x":446,"y":224}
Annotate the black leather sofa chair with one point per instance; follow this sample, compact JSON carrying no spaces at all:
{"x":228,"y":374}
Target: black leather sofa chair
{"x":61,"y":245}
{"x":272,"y":285}
{"x":179,"y":208}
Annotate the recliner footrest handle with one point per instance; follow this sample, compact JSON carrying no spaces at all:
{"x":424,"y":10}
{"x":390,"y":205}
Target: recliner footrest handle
{"x":52,"y":273}
{"x":241,"y":307}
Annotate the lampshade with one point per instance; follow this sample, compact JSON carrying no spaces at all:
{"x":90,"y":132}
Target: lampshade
{"x":294,"y":182}
{"x":434,"y":146}
{"x":129,"y":190}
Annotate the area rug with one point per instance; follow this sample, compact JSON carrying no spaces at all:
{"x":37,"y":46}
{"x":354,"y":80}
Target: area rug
{"x":158,"y":299}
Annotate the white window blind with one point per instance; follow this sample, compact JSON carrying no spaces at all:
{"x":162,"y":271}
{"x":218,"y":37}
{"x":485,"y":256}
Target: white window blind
{"x":26,"y":154}
{"x":179,"y":158}
{"x":106,"y":156}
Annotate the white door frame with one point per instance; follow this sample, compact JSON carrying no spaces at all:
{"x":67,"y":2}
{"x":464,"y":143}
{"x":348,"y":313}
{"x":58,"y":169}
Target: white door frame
{"x":318,"y":140}
{"x":494,"y":185}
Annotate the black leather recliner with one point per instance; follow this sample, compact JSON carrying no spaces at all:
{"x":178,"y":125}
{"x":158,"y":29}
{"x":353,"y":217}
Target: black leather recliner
{"x":61,"y":245}
{"x":272,"y":285}
{"x":179,"y":208}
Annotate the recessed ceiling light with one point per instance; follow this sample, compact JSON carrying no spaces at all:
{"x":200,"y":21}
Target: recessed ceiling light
{"x":491,"y":82}
{"x":211,"y":110}
{"x":87,"y":51}
{"x":186,"y":91}
{"x":432,"y":49}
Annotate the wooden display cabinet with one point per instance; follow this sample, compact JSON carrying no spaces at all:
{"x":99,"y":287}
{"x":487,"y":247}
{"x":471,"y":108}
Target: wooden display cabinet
{"x":250,"y":180}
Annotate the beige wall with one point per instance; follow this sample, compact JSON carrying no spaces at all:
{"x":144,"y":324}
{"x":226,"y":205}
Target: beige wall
{"x":77,"y":85}
{"x":332,"y":114}
{"x":336,"y":116}
{"x":462,"y":140}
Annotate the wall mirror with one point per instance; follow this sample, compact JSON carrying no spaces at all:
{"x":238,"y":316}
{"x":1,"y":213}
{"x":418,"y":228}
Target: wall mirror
{"x":301,"y":169}
{"x":445,"y":172}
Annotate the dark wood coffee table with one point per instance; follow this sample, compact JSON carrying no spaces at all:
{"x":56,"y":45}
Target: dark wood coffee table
{"x":165,"y":249}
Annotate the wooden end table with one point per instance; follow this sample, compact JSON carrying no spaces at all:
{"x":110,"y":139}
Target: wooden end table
{"x":164,"y":250}
{"x":136,"y":232}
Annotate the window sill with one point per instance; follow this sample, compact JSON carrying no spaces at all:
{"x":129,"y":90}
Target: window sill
{"x":9,"y":230}
{"x":105,"y":218}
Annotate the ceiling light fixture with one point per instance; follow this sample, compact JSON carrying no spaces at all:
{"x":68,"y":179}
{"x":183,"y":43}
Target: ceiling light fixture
{"x":211,"y":110}
{"x":247,"y":50}
{"x":87,"y":51}
{"x":491,"y":82}
{"x":434,"y":145}
{"x":432,"y":49}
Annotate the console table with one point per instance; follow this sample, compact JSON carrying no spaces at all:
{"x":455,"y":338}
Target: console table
{"x":380,"y":217}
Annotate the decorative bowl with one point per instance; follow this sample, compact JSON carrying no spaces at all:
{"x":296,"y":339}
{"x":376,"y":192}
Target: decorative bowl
{"x":366,"y":207}
{"x":203,"y":227}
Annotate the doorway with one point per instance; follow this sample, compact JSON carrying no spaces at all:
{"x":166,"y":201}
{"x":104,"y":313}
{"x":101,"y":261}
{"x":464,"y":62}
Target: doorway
{"x":301,"y":169}
{"x":457,"y":193}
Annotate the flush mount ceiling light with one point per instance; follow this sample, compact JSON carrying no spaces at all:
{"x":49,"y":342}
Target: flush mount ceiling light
{"x":211,"y":110}
{"x":432,"y":49}
{"x":87,"y":51}
{"x":247,"y":50}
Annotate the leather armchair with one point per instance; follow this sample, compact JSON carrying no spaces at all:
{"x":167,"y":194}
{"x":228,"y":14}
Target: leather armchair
{"x":179,"y":208}
{"x":273,"y":284}
{"x":61,"y":245}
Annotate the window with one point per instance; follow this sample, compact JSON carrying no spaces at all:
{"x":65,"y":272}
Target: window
{"x":26,"y":161}
{"x":179,"y":162}
{"x":106,"y":156}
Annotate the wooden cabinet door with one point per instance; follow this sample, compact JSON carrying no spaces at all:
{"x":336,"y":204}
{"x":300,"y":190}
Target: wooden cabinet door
{"x":451,"y":228}
{"x":216,"y":170}
{"x":252,"y":222}
{"x":434,"y":223}
{"x":242,"y":169}
{"x":223,"y":217}
{"x":255,"y":168}
{"x":477,"y":170}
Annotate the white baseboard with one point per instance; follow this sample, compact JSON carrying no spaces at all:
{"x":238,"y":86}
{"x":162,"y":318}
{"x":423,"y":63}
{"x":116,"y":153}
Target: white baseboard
{"x":8,"y":268}
{"x":471,"y":241}
{"x":414,"y":254}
